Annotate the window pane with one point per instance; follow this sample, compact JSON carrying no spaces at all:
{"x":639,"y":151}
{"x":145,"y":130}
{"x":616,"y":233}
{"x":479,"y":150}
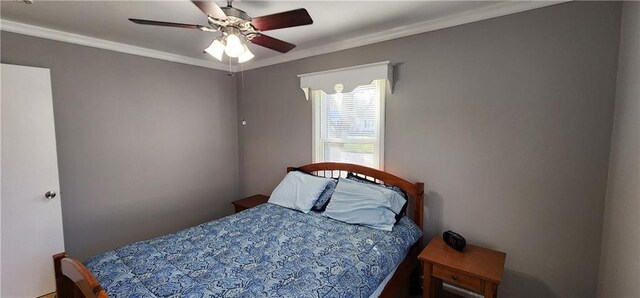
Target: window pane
{"x":349,"y":127}
{"x":351,"y":116}
{"x":360,"y":153}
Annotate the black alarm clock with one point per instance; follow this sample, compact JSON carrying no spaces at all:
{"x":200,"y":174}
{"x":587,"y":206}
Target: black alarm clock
{"x":454,"y":240}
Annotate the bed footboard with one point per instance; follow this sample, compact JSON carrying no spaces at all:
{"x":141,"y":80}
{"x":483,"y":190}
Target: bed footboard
{"x":73,"y":280}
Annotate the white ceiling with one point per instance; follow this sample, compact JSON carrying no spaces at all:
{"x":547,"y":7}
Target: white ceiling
{"x":337,"y":24}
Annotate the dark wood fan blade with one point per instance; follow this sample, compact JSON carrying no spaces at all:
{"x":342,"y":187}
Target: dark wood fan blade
{"x":168,"y":24}
{"x":272,"y":43}
{"x":210,"y":8}
{"x":285,"y":19}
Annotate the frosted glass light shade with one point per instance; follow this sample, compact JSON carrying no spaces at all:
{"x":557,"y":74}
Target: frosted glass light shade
{"x":246,"y":56}
{"x":234,"y":47}
{"x":216,"y":49}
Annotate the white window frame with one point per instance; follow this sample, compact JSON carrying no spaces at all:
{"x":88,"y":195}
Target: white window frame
{"x":317,"y":125}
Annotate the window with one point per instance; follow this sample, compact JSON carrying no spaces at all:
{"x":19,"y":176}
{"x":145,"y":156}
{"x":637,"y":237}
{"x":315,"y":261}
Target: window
{"x":349,"y":127}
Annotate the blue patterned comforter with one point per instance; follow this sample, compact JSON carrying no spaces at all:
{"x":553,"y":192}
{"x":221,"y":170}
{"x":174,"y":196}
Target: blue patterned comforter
{"x":266,"y":251}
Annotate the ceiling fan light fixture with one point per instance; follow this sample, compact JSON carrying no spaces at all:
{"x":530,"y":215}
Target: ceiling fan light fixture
{"x":234,"y":46}
{"x":216,"y":49}
{"x":246,"y":56}
{"x":237,"y":28}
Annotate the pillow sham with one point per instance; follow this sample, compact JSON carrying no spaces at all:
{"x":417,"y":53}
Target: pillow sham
{"x":368,"y":205}
{"x":400,"y":191}
{"x":298,"y":191}
{"x":323,"y":200}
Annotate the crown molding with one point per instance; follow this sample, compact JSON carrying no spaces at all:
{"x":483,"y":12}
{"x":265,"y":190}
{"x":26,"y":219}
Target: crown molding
{"x":484,"y":13}
{"x":42,"y":32}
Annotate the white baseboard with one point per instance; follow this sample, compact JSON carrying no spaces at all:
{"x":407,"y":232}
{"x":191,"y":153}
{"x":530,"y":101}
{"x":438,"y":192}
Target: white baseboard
{"x":460,"y":291}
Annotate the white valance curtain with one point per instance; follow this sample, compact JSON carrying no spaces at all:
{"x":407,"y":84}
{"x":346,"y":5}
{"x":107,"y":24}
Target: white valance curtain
{"x":348,"y":77}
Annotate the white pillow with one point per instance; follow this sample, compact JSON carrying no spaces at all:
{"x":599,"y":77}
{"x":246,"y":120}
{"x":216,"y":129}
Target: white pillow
{"x":298,"y":191}
{"x":368,"y":205}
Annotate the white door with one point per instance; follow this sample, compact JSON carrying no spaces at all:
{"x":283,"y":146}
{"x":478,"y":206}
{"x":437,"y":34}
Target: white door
{"x":31,"y":223}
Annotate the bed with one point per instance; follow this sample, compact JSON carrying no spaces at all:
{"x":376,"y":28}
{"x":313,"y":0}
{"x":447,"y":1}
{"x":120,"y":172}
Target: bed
{"x":265,"y":251}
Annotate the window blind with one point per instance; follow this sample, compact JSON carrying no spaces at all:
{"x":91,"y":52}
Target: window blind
{"x":348,"y":125}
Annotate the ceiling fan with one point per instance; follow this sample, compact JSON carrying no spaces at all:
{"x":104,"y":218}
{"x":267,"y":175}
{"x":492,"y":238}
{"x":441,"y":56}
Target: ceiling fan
{"x":235,"y":25}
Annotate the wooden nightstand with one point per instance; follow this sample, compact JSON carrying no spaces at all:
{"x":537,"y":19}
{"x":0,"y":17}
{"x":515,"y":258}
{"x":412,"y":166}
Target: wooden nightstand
{"x":476,"y":269}
{"x":249,"y":202}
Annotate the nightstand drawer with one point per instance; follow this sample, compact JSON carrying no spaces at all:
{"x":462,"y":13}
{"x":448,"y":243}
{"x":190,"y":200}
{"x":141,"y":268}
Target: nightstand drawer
{"x":458,"y":278}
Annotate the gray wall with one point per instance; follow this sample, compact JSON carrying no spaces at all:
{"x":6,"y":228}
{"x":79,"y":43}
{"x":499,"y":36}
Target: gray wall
{"x":145,"y":147}
{"x":507,"y":121}
{"x":619,"y":261}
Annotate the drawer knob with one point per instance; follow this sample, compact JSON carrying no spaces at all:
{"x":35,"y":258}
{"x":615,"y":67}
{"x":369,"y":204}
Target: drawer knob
{"x":454,"y":277}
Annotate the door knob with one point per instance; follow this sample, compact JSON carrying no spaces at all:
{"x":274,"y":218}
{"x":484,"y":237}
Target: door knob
{"x":50,"y":194}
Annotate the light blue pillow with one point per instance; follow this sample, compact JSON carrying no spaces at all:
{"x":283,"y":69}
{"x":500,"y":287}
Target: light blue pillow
{"x":298,"y":191}
{"x":368,"y":205}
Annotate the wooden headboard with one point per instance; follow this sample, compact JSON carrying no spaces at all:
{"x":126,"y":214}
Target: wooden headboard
{"x":415,"y":191}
